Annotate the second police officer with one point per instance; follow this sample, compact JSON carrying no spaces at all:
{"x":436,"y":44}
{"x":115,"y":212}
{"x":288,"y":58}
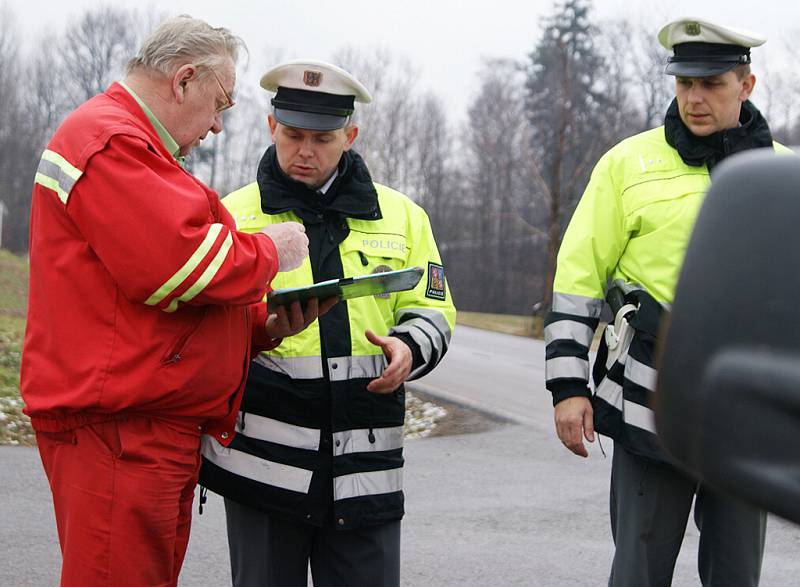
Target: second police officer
{"x":631,"y":228}
{"x":315,"y":471}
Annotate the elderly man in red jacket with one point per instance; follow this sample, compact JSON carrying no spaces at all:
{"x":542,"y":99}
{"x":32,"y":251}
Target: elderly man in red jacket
{"x":144,"y":309}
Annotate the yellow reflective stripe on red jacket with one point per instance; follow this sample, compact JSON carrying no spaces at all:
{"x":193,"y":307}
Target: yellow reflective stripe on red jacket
{"x":57,"y":174}
{"x":194,"y":261}
{"x":206,"y":277}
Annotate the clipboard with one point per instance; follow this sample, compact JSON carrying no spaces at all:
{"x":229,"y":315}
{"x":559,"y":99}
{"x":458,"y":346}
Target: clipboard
{"x":347,"y":288}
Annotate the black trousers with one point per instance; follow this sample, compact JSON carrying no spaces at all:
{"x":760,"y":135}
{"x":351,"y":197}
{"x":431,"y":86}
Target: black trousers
{"x":650,"y":505}
{"x":267,"y":551}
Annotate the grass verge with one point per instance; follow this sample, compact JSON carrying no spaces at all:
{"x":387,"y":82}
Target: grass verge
{"x":505,"y":323}
{"x":15,"y":427}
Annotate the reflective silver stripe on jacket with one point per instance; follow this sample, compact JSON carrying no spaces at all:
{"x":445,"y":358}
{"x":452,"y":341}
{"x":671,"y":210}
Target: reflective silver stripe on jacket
{"x":577,"y":305}
{"x":566,"y":368}
{"x":437,"y":337}
{"x":639,"y":416}
{"x":632,"y":413}
{"x":569,"y":330}
{"x":640,"y":373}
{"x":434,"y":316}
{"x":611,"y":392}
{"x":56,"y":173}
{"x":255,"y":468}
{"x":278,"y":432}
{"x":430,"y":331}
{"x":371,"y":483}
{"x":294,"y":367}
{"x":351,"y":441}
{"x":346,"y":368}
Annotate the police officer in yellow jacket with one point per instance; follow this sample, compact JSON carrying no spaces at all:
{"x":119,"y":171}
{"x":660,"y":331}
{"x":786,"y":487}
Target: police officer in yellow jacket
{"x":631,"y":229}
{"x":315,"y":471}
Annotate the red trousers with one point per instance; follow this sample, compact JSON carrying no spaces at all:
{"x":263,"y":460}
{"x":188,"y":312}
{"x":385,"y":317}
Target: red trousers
{"x":122,"y":492}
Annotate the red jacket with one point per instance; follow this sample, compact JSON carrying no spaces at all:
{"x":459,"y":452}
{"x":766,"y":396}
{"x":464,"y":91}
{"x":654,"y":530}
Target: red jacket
{"x":143,"y":297}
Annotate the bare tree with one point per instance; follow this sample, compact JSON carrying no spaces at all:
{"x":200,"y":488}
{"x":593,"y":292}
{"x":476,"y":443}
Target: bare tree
{"x":46,"y":99}
{"x":9,"y":72}
{"x":94,"y":50}
{"x":13,"y":147}
{"x":432,"y":160}
{"x":498,"y":238}
{"x":653,"y":88}
{"x":387,"y":129}
{"x":80,"y":62}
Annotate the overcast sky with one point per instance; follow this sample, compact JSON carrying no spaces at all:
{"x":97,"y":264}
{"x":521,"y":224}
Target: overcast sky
{"x":444,"y":39}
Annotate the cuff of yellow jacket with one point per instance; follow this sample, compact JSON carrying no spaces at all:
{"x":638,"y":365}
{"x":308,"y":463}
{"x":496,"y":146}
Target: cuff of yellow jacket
{"x":261,"y":341}
{"x":561,"y":395}
{"x":417,"y":360}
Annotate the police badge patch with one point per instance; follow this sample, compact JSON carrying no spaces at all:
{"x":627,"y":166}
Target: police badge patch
{"x":436,"y":288}
{"x":692,"y":29}
{"x":312,"y":78}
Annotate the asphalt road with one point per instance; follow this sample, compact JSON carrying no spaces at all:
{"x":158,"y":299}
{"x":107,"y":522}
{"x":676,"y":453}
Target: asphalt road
{"x":506,"y":507}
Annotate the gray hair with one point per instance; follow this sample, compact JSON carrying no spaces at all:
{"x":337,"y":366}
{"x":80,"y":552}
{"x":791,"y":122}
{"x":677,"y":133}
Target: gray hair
{"x":183,"y":40}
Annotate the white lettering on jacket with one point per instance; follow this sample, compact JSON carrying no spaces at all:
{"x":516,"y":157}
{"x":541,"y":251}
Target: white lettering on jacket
{"x":384,"y":245}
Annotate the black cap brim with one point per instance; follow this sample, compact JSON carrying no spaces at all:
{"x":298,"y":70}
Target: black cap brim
{"x":698,"y":68}
{"x":309,"y":120}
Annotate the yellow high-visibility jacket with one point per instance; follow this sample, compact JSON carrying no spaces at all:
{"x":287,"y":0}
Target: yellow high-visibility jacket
{"x":632,"y":224}
{"x":308,"y":424}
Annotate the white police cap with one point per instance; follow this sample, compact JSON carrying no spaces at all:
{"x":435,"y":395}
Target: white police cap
{"x":702,"y":48}
{"x":312,"y":94}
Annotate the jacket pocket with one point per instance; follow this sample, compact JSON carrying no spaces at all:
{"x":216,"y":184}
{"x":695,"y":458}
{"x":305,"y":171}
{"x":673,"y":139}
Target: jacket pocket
{"x":178,"y":349}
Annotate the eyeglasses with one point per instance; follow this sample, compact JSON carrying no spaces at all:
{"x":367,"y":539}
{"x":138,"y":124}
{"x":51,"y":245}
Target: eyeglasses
{"x":229,"y":103}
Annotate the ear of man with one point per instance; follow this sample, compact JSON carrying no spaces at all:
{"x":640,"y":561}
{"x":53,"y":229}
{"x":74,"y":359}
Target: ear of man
{"x":748,"y":84}
{"x":351,"y":130}
{"x":180,"y":80}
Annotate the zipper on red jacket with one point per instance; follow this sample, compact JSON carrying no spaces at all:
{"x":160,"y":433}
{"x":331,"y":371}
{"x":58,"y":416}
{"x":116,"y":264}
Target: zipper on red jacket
{"x":175,"y":353}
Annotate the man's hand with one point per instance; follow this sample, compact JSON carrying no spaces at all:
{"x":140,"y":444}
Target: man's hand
{"x":291,"y":242}
{"x":289,"y":321}
{"x":400,"y":358}
{"x":574,"y":418}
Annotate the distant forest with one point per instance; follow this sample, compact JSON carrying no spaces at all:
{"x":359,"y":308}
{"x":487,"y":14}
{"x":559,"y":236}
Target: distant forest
{"x":499,"y":188}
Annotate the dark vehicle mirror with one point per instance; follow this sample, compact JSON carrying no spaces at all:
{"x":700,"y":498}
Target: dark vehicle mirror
{"x":728,"y":399}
